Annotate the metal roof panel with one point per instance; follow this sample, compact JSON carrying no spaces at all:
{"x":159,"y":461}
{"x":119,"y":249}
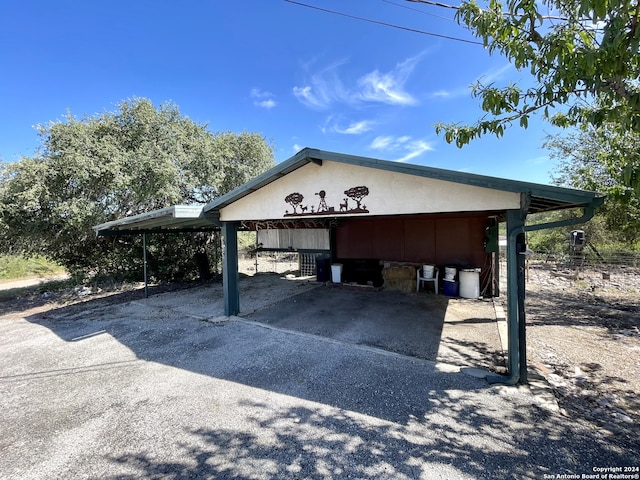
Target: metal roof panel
{"x":174,"y":218}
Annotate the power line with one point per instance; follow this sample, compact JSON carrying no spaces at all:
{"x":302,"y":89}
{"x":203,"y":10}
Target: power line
{"x":422,"y":32}
{"x":417,"y":10}
{"x":435,"y":4}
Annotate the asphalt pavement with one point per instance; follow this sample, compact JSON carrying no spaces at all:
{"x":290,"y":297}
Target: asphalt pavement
{"x":140,"y":390}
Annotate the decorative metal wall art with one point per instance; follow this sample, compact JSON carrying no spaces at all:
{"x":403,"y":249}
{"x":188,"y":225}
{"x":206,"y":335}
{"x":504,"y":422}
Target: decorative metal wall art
{"x":355,"y":194}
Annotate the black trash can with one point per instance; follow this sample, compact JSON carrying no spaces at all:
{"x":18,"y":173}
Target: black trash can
{"x":323,"y":268}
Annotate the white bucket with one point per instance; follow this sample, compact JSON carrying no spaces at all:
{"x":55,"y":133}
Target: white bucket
{"x":470,"y":283}
{"x":336,"y":272}
{"x":449,"y":273}
{"x":427,"y":271}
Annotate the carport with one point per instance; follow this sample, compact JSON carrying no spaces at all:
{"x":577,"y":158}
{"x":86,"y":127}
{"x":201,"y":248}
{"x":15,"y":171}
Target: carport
{"x":382,"y":215}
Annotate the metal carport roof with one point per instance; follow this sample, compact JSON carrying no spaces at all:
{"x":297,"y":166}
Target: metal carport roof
{"x":536,"y":197}
{"x":177,"y":218}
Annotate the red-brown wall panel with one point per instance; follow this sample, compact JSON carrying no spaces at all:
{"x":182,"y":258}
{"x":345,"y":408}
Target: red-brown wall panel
{"x":388,"y":239}
{"x":420,"y":240}
{"x":438,"y":239}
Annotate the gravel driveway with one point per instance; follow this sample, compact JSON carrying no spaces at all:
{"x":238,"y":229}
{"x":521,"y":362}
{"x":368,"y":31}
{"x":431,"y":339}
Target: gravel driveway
{"x":584,"y":336}
{"x":166,"y":388}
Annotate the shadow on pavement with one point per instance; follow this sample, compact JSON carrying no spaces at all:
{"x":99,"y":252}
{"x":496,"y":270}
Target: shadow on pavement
{"x":365,"y":414}
{"x":311,"y":443}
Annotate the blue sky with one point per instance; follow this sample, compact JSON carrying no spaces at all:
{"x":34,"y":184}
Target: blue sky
{"x":299,"y":76}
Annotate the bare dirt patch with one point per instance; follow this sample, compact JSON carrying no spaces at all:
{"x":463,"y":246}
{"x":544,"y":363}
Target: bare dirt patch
{"x":41,"y":295}
{"x":583,"y":333}
{"x":45,"y":296}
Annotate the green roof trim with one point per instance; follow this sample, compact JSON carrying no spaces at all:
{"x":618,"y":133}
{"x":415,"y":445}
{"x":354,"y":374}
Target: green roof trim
{"x":541,"y":197}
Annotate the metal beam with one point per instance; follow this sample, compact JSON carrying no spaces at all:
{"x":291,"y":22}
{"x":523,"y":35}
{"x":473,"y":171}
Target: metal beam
{"x":138,"y":231}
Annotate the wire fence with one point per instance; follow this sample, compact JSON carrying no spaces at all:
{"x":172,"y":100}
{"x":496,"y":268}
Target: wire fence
{"x":582,"y":269}
{"x":590,"y":259}
{"x":567,"y":270}
{"x":270,"y":262}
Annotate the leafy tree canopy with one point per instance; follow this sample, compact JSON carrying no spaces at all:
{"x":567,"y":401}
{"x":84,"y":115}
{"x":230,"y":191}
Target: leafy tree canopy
{"x":583,"y":55}
{"x":99,"y":168}
{"x":606,"y":160}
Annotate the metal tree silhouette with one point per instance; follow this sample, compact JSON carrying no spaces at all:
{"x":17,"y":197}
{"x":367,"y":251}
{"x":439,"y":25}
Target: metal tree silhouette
{"x":357,"y":194}
{"x":294,"y":199}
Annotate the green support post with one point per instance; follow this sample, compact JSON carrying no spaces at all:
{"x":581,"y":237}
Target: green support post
{"x":230,"y":276}
{"x":515,"y":226}
{"x":496,"y":274}
{"x":522,"y":319}
{"x":144,"y":265}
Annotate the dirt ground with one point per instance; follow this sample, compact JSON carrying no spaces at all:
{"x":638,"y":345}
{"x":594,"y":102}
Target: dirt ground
{"x":583,"y":335}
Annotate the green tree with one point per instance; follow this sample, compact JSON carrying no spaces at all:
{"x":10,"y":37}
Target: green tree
{"x":103,"y":167}
{"x":583,"y":56}
{"x":603,"y":159}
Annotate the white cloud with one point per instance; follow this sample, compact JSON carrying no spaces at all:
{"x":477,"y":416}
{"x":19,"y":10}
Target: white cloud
{"x":354,"y":128}
{"x":381,"y":143}
{"x":307,"y":97}
{"x":326,"y":87}
{"x":389,"y":87}
{"x":485,"y":78}
{"x":405,"y":147}
{"x":493,"y":75}
{"x":442,"y":94}
{"x":383,"y":88}
{"x":414,"y":149}
{"x":453,"y":93}
{"x":263,"y":99}
{"x":269,"y":103}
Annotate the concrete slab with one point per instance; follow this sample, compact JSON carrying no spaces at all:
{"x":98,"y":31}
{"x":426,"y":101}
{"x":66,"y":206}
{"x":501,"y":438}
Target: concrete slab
{"x":426,"y":326}
{"x":475,"y":372}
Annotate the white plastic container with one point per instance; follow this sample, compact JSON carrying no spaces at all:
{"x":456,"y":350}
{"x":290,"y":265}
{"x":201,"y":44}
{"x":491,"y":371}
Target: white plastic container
{"x":336,"y":273}
{"x":449,"y":273}
{"x":427,"y":271}
{"x":470,"y":283}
